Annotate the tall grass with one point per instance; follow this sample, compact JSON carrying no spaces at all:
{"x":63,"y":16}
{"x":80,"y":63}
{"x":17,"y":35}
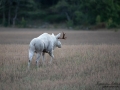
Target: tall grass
{"x":75,"y":67}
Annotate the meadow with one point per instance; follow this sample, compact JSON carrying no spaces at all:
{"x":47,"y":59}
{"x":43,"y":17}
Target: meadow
{"x":88,"y":60}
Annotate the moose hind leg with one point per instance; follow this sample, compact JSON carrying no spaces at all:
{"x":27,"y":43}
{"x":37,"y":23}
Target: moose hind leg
{"x":43,"y":58}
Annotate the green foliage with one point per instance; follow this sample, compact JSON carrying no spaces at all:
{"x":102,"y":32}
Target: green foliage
{"x":98,"y":19}
{"x":111,"y":24}
{"x":55,"y":18}
{"x":23,"y":23}
{"x":70,"y":24}
{"x":5,"y":24}
{"x":78,"y":17}
{"x":62,"y":4}
{"x":73,"y":12}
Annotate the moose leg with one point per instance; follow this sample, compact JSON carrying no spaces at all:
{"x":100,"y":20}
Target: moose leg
{"x":31,"y":53}
{"x":43,"y":58}
{"x":38,"y":58}
{"x":52,"y":56}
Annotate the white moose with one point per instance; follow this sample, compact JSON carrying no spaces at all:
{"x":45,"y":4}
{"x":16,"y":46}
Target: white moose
{"x":45,"y":43}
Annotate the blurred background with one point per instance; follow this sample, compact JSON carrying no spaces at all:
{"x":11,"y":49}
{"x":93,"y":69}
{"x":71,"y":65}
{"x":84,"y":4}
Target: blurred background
{"x":66,"y":14}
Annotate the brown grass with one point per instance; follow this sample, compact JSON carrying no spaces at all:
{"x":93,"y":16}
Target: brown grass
{"x":86,"y":61}
{"x":75,"y":67}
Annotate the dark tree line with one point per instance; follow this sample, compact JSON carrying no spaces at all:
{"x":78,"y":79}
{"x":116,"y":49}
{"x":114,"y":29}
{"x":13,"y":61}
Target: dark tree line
{"x":72,"y":12}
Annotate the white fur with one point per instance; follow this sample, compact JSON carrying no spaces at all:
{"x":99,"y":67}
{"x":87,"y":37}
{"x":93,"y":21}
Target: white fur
{"x":45,"y":43}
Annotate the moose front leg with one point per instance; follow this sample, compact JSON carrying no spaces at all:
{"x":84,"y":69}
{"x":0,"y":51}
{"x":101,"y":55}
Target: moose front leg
{"x":37,"y":59}
{"x":31,"y":53}
{"x":52,"y":56}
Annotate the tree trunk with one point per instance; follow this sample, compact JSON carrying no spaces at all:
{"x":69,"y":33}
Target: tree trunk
{"x":16,"y":12}
{"x":14,"y":20}
{"x":68,"y":17}
{"x":0,"y":2}
{"x":9,"y":15}
{"x":4,"y":19}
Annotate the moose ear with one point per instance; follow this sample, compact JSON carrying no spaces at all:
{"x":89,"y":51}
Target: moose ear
{"x":58,"y":35}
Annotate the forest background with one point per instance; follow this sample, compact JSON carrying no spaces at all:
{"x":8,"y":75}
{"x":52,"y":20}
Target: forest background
{"x":77,"y":14}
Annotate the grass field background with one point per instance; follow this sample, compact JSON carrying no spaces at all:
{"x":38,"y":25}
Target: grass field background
{"x":88,"y":60}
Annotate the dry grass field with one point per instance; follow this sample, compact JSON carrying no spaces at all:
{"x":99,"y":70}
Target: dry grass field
{"x":88,"y":60}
